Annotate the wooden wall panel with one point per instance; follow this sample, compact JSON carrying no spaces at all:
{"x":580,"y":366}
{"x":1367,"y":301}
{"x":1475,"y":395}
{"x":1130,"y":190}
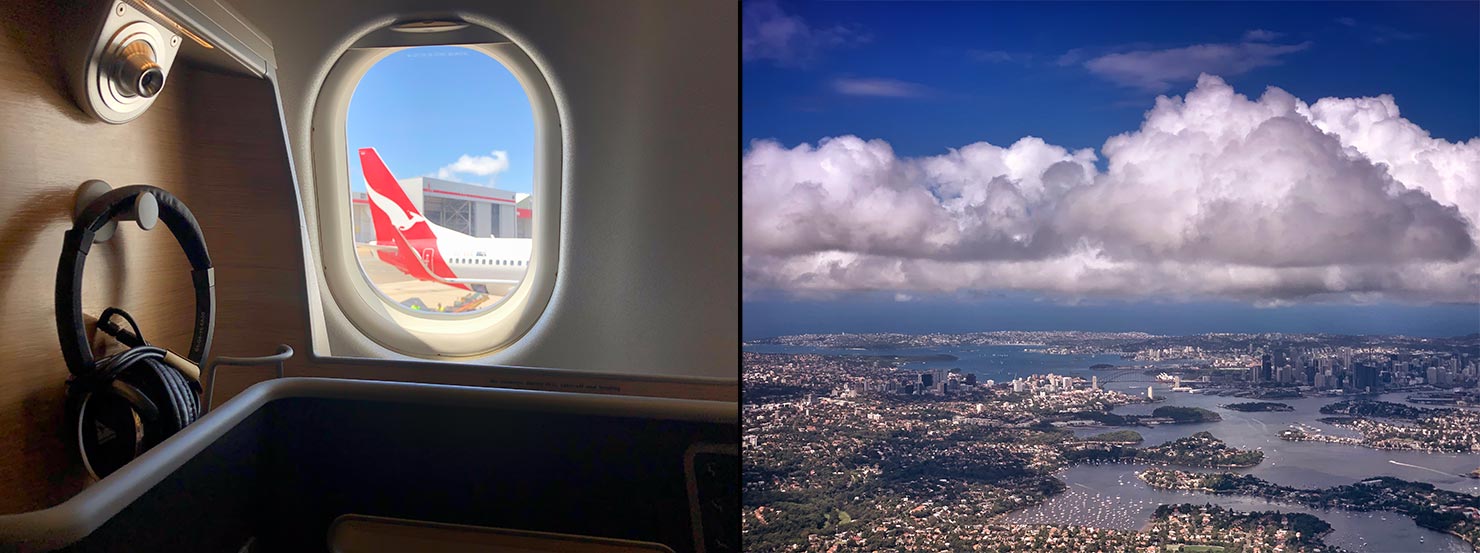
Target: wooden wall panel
{"x":48,"y":147}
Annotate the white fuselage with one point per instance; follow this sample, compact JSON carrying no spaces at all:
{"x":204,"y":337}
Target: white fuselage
{"x":483,"y":258}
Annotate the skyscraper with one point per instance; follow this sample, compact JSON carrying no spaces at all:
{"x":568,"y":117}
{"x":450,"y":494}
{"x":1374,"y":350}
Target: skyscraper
{"x":1266,"y":368}
{"x":1366,"y":377}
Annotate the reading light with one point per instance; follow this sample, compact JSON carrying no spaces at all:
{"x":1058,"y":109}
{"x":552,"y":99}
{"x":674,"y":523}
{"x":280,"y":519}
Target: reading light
{"x":429,"y":26}
{"x":118,"y":58}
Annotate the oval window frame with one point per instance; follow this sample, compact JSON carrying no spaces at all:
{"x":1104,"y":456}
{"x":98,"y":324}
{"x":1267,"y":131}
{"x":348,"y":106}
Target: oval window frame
{"x":434,"y":336}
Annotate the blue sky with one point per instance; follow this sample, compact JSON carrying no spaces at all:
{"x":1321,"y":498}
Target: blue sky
{"x":443,"y":112}
{"x":1425,"y":54}
{"x":920,"y":82}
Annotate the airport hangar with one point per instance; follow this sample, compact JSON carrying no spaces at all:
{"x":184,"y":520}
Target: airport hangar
{"x":471,"y":209}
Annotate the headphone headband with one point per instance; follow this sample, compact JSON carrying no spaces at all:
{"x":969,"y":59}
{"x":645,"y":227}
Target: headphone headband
{"x":182,"y":224}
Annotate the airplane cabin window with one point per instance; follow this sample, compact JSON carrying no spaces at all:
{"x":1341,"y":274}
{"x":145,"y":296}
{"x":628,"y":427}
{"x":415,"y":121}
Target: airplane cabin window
{"x":450,"y":160}
{"x":441,"y":173}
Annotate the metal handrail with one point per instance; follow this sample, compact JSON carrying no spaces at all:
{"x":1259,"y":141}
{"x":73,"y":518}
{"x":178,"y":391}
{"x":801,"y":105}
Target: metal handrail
{"x":283,"y":354}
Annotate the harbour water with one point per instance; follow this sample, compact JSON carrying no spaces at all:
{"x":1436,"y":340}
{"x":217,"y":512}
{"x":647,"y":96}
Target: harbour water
{"x":1111,"y":496}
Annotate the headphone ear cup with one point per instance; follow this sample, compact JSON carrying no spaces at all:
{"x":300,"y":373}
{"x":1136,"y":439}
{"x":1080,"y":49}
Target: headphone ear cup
{"x":108,"y":431}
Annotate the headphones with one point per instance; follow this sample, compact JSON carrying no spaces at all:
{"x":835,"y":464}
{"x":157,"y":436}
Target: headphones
{"x":124,"y":404}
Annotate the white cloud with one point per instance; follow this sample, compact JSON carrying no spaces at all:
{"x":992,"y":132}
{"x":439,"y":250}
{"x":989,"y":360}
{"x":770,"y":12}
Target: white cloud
{"x":482,"y":166}
{"x":1215,"y":195}
{"x":1158,"y":70}
{"x":1261,"y":35}
{"x":889,"y":88}
{"x":769,"y":33}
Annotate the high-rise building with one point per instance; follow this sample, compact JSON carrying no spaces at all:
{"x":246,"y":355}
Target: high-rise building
{"x":1434,"y":377}
{"x":1149,"y":393}
{"x":1266,"y":368}
{"x":1094,"y":381}
{"x":1365,"y":377}
{"x":970,"y":379}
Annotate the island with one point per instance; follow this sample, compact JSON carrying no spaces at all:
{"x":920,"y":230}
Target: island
{"x":1257,"y":406}
{"x":1429,"y":507}
{"x":1384,"y":409}
{"x":1185,"y":414}
{"x":1101,"y":367}
{"x":1198,"y":450}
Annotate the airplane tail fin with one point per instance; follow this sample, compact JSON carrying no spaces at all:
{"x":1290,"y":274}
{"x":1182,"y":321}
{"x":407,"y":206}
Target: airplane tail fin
{"x":380,"y":182}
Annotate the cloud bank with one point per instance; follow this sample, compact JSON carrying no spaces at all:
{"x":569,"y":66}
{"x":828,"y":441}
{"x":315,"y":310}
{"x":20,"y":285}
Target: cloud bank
{"x":1215,"y":195}
{"x":769,"y":33}
{"x":482,"y":166}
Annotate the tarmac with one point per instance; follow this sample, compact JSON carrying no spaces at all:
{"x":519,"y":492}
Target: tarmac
{"x":402,"y":288}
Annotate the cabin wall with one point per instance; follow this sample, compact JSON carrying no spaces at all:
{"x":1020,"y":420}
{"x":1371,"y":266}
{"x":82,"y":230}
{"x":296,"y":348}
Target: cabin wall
{"x":214,"y":140}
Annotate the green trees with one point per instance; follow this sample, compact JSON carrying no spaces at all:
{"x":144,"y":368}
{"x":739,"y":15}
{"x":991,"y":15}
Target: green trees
{"x":1185,"y":414}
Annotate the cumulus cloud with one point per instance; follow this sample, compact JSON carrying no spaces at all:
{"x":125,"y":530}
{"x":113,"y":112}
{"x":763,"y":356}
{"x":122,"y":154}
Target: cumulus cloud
{"x":1215,"y":195}
{"x":769,"y":33}
{"x":1158,"y":70}
{"x":889,"y":88}
{"x":482,"y":166}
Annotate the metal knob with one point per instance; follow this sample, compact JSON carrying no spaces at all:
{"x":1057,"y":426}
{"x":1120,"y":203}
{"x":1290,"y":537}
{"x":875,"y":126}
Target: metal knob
{"x":138,"y":73}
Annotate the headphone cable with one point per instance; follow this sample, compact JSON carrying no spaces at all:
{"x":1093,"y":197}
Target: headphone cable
{"x":131,"y":339}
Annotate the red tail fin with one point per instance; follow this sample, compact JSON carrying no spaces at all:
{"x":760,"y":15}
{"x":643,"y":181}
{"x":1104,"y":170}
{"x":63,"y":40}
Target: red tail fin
{"x":380,"y":182}
{"x":398,"y":222}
